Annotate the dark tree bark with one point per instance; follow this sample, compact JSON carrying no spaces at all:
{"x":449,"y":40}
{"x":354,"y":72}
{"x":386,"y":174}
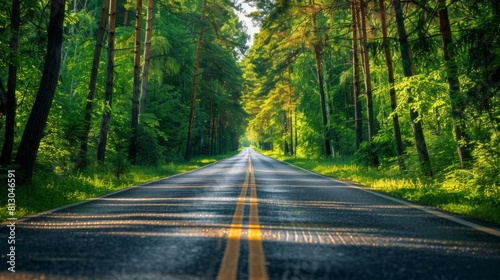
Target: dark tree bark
{"x":10,"y":97}
{"x":392,"y":91}
{"x":125,"y":17}
{"x":33,"y":132}
{"x":290,"y":111}
{"x":319,"y":71}
{"x":457,"y":98}
{"x":211,"y":122}
{"x":92,"y":85}
{"x":132,"y":149}
{"x":3,"y":100}
{"x":285,"y":132}
{"x":366,"y":70}
{"x":108,"y":96}
{"x":147,"y":51}
{"x":195,"y":83}
{"x":409,"y":71}
{"x":358,"y":119}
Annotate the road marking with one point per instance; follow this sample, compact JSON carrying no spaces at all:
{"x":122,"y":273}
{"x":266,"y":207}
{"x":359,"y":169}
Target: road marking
{"x":256,"y":258}
{"x":229,"y":265}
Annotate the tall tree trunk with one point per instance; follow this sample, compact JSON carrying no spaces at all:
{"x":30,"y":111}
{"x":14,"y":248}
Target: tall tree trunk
{"x":392,"y":91}
{"x":317,"y":56}
{"x":125,"y":17}
{"x":211,"y":122}
{"x":457,"y":98}
{"x":147,"y":51}
{"x":195,"y":83}
{"x":132,"y":148}
{"x":290,"y":111}
{"x":108,"y":96}
{"x":214,"y":136}
{"x":3,"y":100}
{"x":33,"y":132}
{"x":366,"y":71}
{"x":10,"y":102}
{"x":285,"y":132}
{"x":82,"y":156}
{"x":296,"y":134}
{"x":409,"y":70}
{"x":358,"y":121}
{"x":221,"y":138}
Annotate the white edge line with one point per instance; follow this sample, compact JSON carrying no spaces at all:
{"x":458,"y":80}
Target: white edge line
{"x":39,"y":214}
{"x":423,"y":208}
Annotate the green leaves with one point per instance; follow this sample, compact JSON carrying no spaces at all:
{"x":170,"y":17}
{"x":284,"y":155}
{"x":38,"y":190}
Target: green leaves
{"x":429,"y":92}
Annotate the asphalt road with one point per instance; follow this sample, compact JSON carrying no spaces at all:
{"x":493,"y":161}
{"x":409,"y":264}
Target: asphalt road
{"x":249,"y":217}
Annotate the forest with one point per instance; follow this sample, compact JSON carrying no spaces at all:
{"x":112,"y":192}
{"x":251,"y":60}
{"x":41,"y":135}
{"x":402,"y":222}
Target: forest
{"x":89,"y":82}
{"x":404,"y":87}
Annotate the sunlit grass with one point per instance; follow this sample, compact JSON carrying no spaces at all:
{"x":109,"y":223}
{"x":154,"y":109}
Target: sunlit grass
{"x":48,"y":190}
{"x":454,"y":193}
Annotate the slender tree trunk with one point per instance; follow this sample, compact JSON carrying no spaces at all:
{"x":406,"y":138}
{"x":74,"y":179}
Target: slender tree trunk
{"x":132,"y":148}
{"x":147,"y":51}
{"x":108,"y":96}
{"x":290,"y":111}
{"x":324,"y":113}
{"x":285,"y":132}
{"x":457,"y":98}
{"x":10,"y":102}
{"x":33,"y":132}
{"x":214,"y":136}
{"x":317,"y":55}
{"x":392,"y":91}
{"x":409,"y":70}
{"x":3,"y":100}
{"x":366,"y":71}
{"x":290,"y":119}
{"x":195,"y":83}
{"x":125,"y":17}
{"x":296,"y":134}
{"x":211,"y":121}
{"x":221,"y":131}
{"x":82,"y":156}
{"x":358,"y":121}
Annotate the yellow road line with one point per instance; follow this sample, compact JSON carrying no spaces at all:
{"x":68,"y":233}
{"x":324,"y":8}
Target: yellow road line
{"x":229,"y":265}
{"x":256,"y":258}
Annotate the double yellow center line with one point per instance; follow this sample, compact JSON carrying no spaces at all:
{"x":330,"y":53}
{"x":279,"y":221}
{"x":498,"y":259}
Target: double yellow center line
{"x":256,"y":259}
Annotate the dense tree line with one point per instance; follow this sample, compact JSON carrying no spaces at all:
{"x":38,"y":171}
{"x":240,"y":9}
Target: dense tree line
{"x":115,"y":80}
{"x":407,"y":84}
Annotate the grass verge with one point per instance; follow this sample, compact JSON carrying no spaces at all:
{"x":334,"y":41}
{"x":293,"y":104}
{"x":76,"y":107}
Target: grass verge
{"x":452,"y":192}
{"x":49,"y":190}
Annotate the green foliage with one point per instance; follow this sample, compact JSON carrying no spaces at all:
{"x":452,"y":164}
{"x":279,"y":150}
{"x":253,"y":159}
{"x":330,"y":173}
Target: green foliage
{"x":163,"y":128}
{"x":149,"y":152}
{"x":382,"y":147}
{"x":120,"y":164}
{"x":487,"y":165}
{"x":272,"y":92}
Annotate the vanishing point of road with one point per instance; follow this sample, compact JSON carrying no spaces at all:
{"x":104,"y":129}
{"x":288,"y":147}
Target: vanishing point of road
{"x":251,"y":217}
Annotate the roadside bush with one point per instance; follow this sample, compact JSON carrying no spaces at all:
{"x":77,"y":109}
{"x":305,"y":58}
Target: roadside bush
{"x":381,"y":149}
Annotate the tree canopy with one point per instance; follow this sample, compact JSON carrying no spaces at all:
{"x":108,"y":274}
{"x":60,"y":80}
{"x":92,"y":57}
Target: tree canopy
{"x":411,"y":85}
